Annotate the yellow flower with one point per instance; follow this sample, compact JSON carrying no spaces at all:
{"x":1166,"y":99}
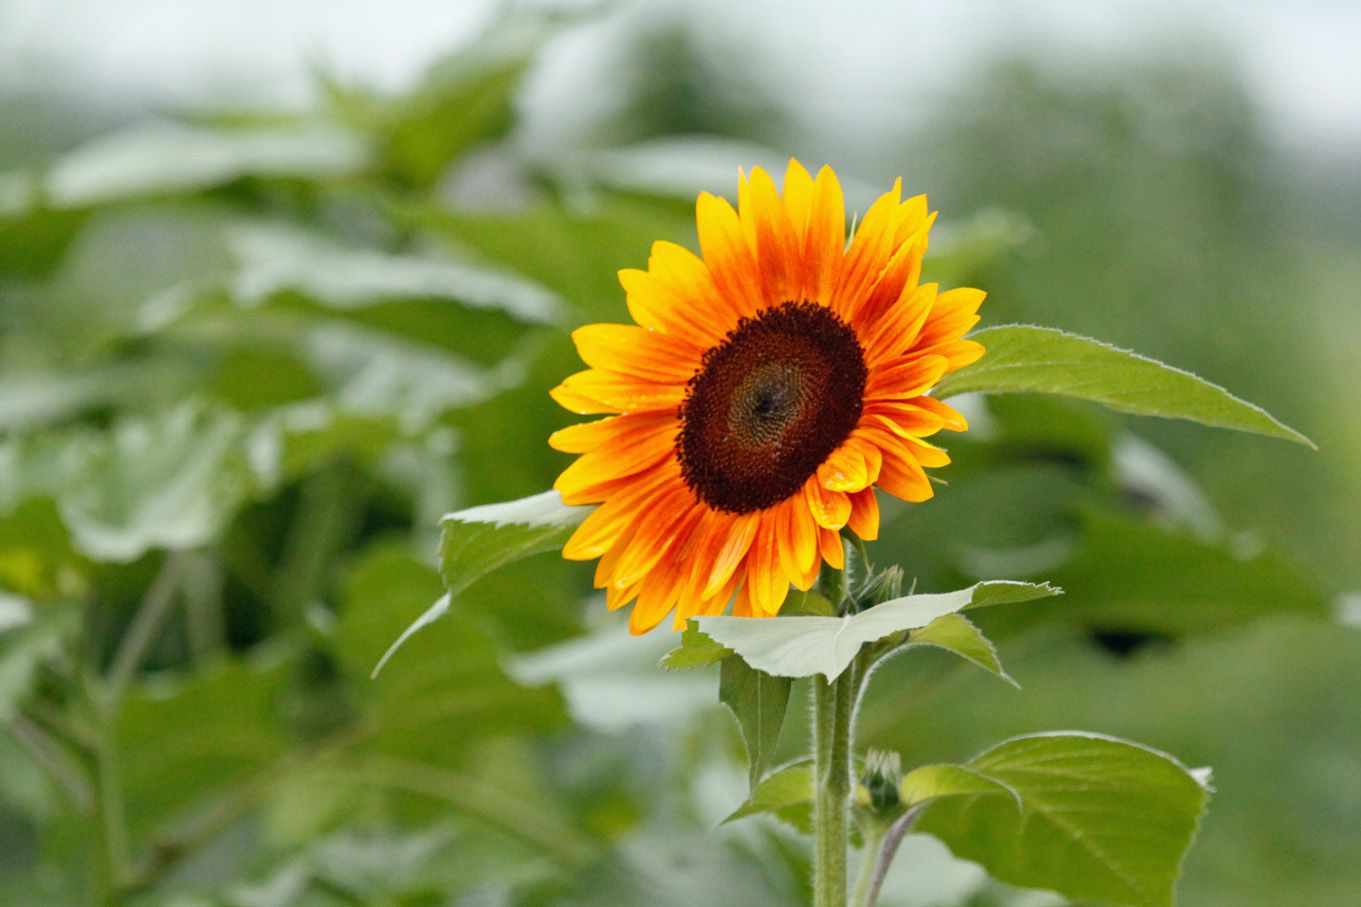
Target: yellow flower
{"x":766,"y":390}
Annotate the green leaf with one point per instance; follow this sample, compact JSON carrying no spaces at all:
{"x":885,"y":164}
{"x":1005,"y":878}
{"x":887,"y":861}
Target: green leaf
{"x":1101,"y":819}
{"x":803,"y":646}
{"x":956,"y":633}
{"x":449,"y":689}
{"x":789,"y":786}
{"x":464,"y":99}
{"x":577,"y":254}
{"x":478,"y":540}
{"x":1199,"y":586}
{"x":48,"y":397}
{"x":932,"y":782}
{"x":169,"y":481}
{"x":1028,"y":359}
{"x":373,"y":373}
{"x":695,"y":651}
{"x":758,"y":701}
{"x":160,"y":160}
{"x":197,"y":739}
{"x":27,"y":642}
{"x":273,"y":260}
{"x":611,"y":682}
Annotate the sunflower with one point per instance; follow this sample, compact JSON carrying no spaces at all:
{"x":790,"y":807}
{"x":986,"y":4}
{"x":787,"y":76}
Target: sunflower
{"x":765,"y":391}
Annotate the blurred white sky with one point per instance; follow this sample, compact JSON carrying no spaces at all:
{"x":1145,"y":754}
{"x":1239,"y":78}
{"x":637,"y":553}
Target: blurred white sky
{"x":1302,"y":59}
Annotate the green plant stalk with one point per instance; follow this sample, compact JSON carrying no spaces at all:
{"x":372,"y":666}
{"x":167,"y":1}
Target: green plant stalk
{"x":873,"y":832}
{"x":833,"y":703}
{"x":111,"y":821}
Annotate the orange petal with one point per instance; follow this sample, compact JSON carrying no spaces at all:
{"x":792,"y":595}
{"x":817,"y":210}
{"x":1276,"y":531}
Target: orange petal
{"x":803,"y":533}
{"x":666,"y":522}
{"x":737,"y":539}
{"x":955,"y":312}
{"x":902,"y":418}
{"x":587,"y":436}
{"x":766,"y":581}
{"x":864,"y":520}
{"x":868,"y":253}
{"x":830,"y":509}
{"x":904,"y":377}
{"x":742,"y":606}
{"x":926,"y":454}
{"x":784,"y":538}
{"x":771,"y":237}
{"x":603,"y":527}
{"x":829,"y":546}
{"x":826,"y":235}
{"x":897,"y":328}
{"x":636,"y":351}
{"x":897,"y":276}
{"x":950,"y":417}
{"x":671,"y":306}
{"x":727,"y":255}
{"x":600,"y":391}
{"x":903,"y":477}
{"x":616,"y":459}
{"x":798,"y":200}
{"x":656,"y":598}
{"x":958,"y":353}
{"x":844,"y":470}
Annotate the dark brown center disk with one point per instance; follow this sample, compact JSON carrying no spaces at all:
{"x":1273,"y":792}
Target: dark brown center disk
{"x":768,"y":405}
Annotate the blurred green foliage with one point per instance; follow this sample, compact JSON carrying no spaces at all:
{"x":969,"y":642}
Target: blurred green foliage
{"x":249,"y":361}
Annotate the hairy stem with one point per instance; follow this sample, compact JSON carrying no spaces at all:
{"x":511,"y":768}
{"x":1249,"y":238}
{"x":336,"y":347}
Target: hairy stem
{"x":834,"y":703}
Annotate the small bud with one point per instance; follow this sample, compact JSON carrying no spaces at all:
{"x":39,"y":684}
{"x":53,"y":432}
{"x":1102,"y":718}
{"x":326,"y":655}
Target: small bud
{"x":880,"y":777}
{"x":883,"y":586}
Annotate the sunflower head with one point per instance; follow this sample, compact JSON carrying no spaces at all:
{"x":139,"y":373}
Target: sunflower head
{"x":768,"y":386}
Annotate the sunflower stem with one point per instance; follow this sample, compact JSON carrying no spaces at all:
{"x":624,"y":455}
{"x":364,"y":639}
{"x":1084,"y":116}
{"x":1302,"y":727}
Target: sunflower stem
{"x":834,"y":702}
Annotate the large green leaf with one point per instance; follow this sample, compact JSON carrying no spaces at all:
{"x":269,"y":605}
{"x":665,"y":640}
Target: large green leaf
{"x":932,"y":782}
{"x":1028,"y":359}
{"x":478,"y":540}
{"x":804,"y":646}
{"x":1101,"y":819}
{"x":758,"y":701}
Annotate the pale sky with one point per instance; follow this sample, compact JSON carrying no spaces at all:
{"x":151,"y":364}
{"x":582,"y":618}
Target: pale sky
{"x":843,"y":60}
